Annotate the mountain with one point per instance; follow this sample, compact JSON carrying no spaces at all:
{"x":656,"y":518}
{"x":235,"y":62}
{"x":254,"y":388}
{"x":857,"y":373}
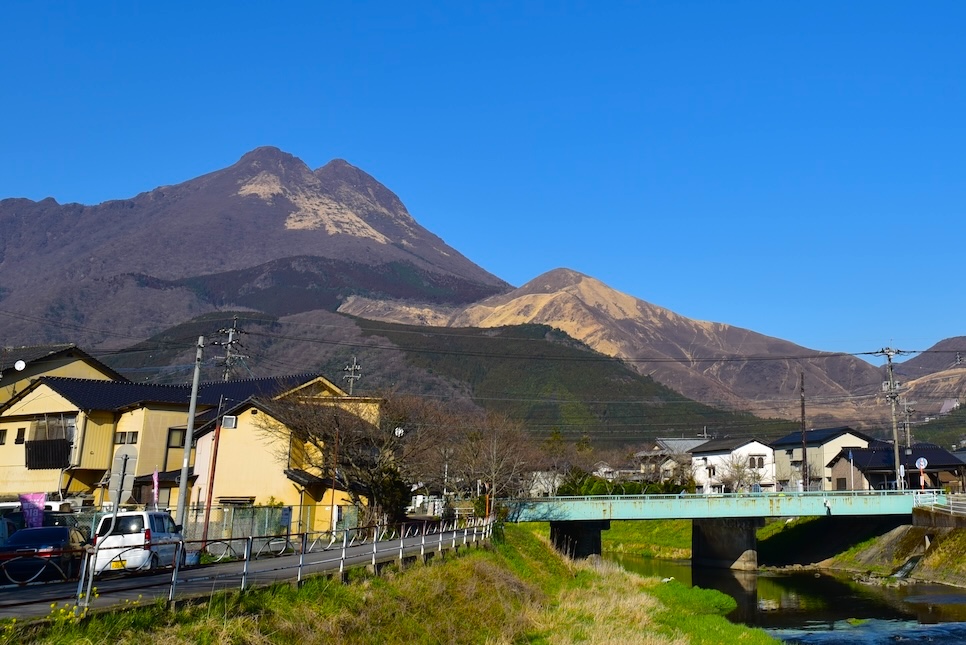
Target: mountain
{"x":709,"y":362}
{"x":533,"y":373}
{"x":267,"y":232}
{"x":270,"y":236}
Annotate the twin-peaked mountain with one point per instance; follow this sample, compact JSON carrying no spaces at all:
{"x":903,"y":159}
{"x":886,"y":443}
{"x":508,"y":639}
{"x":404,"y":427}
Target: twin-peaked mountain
{"x":269,"y":234}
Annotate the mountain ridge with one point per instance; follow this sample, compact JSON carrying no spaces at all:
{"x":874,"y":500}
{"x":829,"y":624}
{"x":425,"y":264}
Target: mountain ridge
{"x":268,"y":233}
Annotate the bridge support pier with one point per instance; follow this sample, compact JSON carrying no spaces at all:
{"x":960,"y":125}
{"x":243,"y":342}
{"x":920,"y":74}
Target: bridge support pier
{"x":726,"y":543}
{"x":578,"y":539}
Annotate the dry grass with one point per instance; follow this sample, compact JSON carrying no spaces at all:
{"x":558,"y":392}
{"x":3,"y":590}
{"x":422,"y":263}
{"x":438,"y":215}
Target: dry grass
{"x":613,"y":607}
{"x":518,"y":592}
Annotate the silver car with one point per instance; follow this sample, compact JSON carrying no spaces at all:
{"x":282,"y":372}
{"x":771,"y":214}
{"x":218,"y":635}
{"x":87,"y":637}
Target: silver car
{"x":138,"y":541}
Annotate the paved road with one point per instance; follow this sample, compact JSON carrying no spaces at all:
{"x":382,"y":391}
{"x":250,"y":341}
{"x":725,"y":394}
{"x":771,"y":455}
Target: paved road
{"x":34,"y":600}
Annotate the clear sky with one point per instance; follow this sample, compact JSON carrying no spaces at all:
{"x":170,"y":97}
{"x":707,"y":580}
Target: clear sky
{"x":795,"y":168}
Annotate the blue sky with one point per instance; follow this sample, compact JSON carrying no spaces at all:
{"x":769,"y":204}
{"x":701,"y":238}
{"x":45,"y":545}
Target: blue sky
{"x":792,"y":168}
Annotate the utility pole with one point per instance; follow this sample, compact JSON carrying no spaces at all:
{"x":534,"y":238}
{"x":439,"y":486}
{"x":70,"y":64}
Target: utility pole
{"x":805,"y":476}
{"x":907,"y":411}
{"x":230,"y":357}
{"x":892,"y":394}
{"x":353,"y":373}
{"x":189,"y":435}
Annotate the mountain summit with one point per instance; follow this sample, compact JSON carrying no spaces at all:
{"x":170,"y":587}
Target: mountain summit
{"x":267,"y":229}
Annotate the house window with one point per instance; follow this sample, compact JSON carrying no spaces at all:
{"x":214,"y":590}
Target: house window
{"x":711,"y":471}
{"x":53,"y":427}
{"x":176,"y":437}
{"x":121,"y":438}
{"x":756,"y":461}
{"x":3,"y":436}
{"x":21,"y":435}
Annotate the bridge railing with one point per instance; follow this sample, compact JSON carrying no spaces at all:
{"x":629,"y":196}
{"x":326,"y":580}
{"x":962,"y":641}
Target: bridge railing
{"x":934,"y":494}
{"x":719,"y":505}
{"x":953,"y":504}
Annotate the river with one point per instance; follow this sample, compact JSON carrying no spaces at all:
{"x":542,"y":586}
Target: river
{"x":806,"y":607}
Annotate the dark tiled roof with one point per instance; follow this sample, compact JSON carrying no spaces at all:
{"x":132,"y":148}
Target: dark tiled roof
{"x":817,"y":437}
{"x":722,"y":445}
{"x":90,"y":394}
{"x":881,"y":457}
{"x":235,"y":392}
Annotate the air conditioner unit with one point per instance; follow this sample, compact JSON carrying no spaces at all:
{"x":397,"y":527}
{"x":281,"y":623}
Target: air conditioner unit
{"x":229,"y":422}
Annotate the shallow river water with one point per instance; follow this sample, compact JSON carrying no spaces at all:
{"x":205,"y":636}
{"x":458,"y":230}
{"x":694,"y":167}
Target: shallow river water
{"x":805,"y":607}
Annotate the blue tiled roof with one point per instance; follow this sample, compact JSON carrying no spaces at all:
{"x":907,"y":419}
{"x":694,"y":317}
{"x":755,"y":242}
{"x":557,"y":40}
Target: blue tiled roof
{"x":723,"y":445}
{"x":817,"y":437}
{"x":89,"y":394}
{"x":881,"y":457}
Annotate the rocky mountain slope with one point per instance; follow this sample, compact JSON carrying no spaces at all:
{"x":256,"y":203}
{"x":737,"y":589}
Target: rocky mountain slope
{"x":709,"y":362}
{"x":267,"y":232}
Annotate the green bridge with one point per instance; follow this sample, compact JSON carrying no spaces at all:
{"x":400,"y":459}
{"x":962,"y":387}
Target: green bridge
{"x":724,"y":524}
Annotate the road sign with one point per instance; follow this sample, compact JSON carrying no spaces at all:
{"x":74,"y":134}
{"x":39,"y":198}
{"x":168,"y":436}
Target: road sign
{"x":122,"y":475}
{"x":921,"y":463}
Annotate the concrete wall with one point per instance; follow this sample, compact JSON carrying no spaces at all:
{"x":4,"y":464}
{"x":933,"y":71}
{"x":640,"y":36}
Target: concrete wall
{"x":725,"y":543}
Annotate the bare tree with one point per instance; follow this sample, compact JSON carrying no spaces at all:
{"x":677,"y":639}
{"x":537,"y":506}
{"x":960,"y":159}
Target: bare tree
{"x":496,"y":453}
{"x":735,"y":473}
{"x":366,"y":445}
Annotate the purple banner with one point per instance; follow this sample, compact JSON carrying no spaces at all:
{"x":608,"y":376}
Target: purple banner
{"x":32,"y":505}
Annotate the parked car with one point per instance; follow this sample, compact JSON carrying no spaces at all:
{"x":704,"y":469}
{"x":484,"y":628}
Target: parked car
{"x":42,"y":553}
{"x":51,"y":518}
{"x":140,"y":540}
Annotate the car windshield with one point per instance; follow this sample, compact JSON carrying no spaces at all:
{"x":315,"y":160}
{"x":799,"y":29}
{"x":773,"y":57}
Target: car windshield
{"x":42,"y":536}
{"x":125,"y":526}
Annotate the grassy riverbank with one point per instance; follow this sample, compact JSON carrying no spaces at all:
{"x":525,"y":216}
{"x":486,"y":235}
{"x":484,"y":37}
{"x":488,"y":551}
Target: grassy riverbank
{"x":519,"y":591}
{"x":667,"y":539}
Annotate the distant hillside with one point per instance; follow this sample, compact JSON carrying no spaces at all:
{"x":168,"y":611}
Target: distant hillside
{"x":529,"y":372}
{"x":715,"y":363}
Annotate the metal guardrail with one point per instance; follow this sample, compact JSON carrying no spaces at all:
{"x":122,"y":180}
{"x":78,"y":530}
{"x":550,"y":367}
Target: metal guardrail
{"x":953,"y":504}
{"x":327,"y":552}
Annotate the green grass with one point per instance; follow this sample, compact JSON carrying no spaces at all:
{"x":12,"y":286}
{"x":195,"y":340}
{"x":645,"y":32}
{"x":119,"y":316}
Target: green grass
{"x":649,"y":539}
{"x":518,"y":591}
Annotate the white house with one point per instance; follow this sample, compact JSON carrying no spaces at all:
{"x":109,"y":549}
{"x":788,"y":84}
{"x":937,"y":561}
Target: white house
{"x":733,"y":465}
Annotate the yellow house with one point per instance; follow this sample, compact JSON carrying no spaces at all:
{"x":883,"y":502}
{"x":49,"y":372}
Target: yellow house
{"x":60,"y":435}
{"x":19,"y":366}
{"x":249,"y":459}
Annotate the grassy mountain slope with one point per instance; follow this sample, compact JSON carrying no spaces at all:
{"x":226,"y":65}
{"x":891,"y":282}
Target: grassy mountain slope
{"x":530,"y":372}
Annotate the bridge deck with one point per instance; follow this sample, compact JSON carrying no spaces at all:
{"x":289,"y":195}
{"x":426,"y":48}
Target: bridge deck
{"x":734,"y":505}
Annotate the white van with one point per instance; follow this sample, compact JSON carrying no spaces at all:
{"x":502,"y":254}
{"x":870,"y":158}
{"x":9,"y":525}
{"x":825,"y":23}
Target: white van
{"x":141,"y":540}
